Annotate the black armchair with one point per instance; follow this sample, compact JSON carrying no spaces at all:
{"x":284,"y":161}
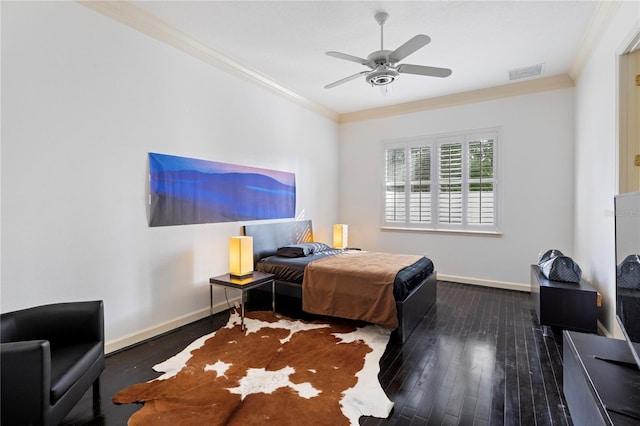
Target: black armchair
{"x":49,"y":357}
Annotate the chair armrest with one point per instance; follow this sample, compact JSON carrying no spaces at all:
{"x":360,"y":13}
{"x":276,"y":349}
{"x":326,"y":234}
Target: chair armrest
{"x":25,"y":372}
{"x":61,"y":323}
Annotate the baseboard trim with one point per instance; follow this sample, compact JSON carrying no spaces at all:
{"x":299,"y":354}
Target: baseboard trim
{"x":486,"y":283}
{"x":151,"y":332}
{"x":603,"y":331}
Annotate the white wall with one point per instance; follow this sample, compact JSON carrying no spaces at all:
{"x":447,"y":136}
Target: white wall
{"x":536,"y":175}
{"x":596,"y":156}
{"x":84,"y":99}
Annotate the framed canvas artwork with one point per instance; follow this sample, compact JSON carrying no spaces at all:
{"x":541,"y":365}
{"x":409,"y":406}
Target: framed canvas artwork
{"x":186,"y":191}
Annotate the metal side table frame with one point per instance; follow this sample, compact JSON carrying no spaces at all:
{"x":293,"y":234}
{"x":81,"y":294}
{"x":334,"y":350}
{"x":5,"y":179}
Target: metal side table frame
{"x":257,"y":279}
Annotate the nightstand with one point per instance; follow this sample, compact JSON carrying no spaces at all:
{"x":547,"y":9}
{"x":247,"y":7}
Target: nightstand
{"x":257,"y":279}
{"x":571,"y":306}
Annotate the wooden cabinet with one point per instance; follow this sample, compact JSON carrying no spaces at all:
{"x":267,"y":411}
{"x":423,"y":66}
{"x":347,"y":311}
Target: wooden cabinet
{"x":572,"y":306}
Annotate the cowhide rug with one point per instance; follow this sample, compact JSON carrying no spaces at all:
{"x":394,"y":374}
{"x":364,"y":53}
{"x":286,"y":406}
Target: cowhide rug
{"x":278,"y":371}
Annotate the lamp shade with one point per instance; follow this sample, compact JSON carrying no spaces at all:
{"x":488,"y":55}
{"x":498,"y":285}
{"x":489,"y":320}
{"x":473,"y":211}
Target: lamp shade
{"x":240,"y":256}
{"x":340,"y":236}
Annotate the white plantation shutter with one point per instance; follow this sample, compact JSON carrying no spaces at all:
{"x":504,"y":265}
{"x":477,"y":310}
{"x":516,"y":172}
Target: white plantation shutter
{"x":481,"y":200}
{"x":444,"y":182}
{"x":450,"y":183}
{"x":395,"y":176}
{"x":420,"y":190}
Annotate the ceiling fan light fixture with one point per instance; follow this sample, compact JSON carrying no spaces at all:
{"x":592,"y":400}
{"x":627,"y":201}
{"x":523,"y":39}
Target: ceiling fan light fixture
{"x":382,"y":77}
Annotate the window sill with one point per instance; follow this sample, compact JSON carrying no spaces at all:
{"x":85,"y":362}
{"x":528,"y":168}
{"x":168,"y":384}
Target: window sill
{"x":444,"y":231}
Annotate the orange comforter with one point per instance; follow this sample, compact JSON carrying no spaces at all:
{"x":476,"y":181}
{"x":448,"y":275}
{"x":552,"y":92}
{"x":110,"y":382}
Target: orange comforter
{"x":355,"y":285}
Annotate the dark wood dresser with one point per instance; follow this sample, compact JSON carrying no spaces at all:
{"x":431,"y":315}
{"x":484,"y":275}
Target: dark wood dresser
{"x":571,"y":306}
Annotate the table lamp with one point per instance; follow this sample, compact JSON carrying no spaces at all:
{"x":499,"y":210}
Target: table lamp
{"x":340,"y":236}
{"x":240,"y":257}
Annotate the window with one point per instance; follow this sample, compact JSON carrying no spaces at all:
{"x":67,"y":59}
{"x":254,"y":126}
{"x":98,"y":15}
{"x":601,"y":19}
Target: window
{"x":442,"y":182}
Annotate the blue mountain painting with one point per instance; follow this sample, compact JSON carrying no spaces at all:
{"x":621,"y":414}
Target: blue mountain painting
{"x":188,"y":191}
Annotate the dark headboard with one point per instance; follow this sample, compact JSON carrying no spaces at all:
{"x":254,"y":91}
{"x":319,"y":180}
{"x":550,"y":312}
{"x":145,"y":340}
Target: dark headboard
{"x":268,"y":237}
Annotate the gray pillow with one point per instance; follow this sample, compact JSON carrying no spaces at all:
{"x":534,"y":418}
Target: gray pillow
{"x":302,"y":249}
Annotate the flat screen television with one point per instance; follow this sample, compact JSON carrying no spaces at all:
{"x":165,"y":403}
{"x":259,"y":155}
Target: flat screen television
{"x":627,"y":235}
{"x":627,"y":221}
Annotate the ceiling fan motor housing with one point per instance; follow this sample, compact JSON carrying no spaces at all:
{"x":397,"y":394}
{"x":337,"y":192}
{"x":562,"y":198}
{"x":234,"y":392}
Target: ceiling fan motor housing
{"x":382,"y":76}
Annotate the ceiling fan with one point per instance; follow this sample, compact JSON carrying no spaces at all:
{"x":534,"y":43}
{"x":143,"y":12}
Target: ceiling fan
{"x":382,"y":63}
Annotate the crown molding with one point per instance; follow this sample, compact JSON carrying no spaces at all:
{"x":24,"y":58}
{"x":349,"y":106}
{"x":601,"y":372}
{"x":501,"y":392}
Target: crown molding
{"x":140,"y":20}
{"x":604,"y":13}
{"x":561,"y":81}
{"x":134,"y":17}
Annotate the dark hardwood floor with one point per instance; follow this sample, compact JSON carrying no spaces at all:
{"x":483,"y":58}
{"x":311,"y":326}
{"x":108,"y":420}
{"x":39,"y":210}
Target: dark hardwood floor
{"x":477,"y":358}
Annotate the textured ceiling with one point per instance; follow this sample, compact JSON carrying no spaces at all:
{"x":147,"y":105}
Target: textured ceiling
{"x":481,"y":41}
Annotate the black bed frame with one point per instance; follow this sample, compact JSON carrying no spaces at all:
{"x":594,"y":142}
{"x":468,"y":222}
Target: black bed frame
{"x":268,"y":237}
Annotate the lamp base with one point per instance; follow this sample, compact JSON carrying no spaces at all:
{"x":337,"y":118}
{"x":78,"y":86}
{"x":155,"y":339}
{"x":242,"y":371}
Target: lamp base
{"x":240,"y":277}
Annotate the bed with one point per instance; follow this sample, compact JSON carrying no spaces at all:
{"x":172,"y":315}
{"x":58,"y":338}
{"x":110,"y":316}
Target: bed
{"x":414,"y":286}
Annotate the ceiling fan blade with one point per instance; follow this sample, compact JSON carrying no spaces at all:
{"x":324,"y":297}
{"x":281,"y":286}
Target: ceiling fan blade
{"x":424,"y":70}
{"x":347,"y":57}
{"x":344,"y":80}
{"x":409,"y":47}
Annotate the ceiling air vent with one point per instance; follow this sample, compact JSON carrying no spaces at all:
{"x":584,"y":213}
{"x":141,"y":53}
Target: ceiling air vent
{"x":526,"y":72}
